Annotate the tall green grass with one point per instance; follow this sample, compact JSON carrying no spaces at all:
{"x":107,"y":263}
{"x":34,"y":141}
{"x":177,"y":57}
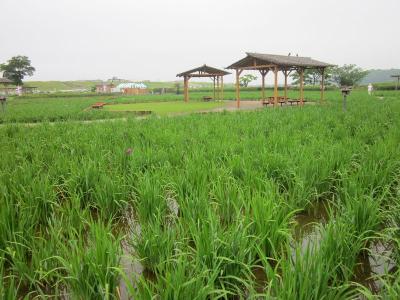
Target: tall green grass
{"x":202,"y":201}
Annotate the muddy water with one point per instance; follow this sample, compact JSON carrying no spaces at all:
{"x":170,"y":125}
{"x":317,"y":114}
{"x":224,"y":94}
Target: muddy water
{"x":305,"y":230}
{"x":261,"y":279}
{"x":132,"y":269}
{"x":306,"y":221}
{"x":371,"y":264}
{"x":374,"y":263}
{"x":130,"y":265}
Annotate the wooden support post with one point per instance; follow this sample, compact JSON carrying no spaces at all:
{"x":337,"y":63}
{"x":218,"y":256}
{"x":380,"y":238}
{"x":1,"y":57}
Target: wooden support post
{"x":286,"y":76}
{"x":222,"y":87}
{"x":276,"y":86}
{"x":238,"y":72}
{"x":186,"y":88}
{"x":214,"y":87}
{"x":218,"y":88}
{"x":302,"y":86}
{"x":263,"y":87}
{"x":322,"y":84}
{"x":263,"y":74}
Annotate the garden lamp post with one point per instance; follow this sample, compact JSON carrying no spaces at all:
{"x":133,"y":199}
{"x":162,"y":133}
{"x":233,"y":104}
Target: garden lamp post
{"x":3,"y":103}
{"x":345,"y":92}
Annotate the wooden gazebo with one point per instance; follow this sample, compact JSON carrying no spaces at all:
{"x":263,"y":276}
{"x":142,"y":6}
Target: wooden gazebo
{"x":275,"y":63}
{"x":205,"y":71}
{"x":5,"y":82}
{"x":398,"y":80}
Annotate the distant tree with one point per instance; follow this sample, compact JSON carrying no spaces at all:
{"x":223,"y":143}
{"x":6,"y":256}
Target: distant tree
{"x":311,"y":77}
{"x":178,"y":87}
{"x":246,"y":79}
{"x":17,"y":68}
{"x":296,"y":77}
{"x":348,"y":75}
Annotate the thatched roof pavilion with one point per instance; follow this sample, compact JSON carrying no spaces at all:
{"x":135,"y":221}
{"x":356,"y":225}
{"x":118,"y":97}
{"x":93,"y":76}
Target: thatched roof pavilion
{"x":275,"y":63}
{"x":5,"y":82}
{"x":204,"y":71}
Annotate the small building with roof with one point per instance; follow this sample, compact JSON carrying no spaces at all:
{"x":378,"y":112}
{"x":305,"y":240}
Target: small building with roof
{"x":104,"y":88}
{"x":131,"y":88}
{"x":215,"y":74}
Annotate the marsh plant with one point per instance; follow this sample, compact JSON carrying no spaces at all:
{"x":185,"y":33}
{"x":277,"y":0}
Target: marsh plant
{"x":199,"y":201}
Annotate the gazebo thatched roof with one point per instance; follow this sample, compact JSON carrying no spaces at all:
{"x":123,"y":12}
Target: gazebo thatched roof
{"x":5,"y":81}
{"x":282,"y":61}
{"x":203,"y":71}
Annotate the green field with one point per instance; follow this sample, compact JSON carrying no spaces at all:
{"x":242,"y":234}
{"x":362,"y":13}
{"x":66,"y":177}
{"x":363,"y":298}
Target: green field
{"x":61,"y":107}
{"x":164,"y":108}
{"x":56,"y":86}
{"x":270,"y":204}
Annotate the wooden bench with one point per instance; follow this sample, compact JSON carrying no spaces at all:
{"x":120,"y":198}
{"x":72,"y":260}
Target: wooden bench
{"x":294,"y":101}
{"x":282,"y":101}
{"x":271,"y":100}
{"x":207,"y":98}
{"x":297,"y":101}
{"x":98,"y":105}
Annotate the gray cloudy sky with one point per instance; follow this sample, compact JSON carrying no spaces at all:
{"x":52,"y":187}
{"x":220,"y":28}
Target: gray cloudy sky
{"x":156,"y":39}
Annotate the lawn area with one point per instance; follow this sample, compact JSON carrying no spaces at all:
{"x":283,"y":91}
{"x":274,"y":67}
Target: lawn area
{"x":163,"y":108}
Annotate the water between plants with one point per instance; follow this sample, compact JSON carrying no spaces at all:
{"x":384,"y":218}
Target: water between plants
{"x":372,"y":264}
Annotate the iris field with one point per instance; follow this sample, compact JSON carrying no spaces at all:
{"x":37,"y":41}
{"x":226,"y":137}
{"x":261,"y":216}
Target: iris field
{"x":288,"y":203}
{"x":64,"y":107}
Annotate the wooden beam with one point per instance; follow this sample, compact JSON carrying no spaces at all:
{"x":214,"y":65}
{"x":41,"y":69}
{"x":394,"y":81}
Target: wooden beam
{"x":276,"y":86}
{"x":218,"y":88}
{"x":286,"y":73}
{"x":204,"y":75}
{"x":222,"y":87}
{"x":301,"y":86}
{"x":186,"y":88}
{"x":259,"y":67}
{"x":214,"y":87}
{"x":263,"y":74}
{"x":238,"y":72}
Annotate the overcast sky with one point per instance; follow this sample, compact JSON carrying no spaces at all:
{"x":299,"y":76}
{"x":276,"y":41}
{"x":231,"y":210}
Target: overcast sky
{"x":156,"y":39}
